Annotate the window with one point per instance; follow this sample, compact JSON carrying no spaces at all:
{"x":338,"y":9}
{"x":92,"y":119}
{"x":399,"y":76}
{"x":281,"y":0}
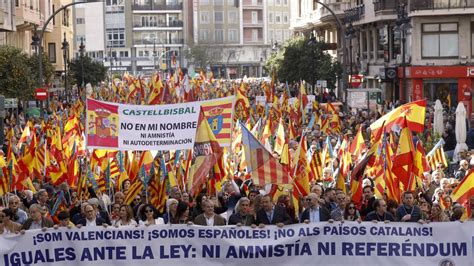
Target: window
{"x":52,"y":52}
{"x":285,"y":17}
{"x":270,"y":17}
{"x":204,"y":2}
{"x":218,"y":17}
{"x":285,"y":2}
{"x":440,"y":40}
{"x":123,"y":53}
{"x":115,"y":37}
{"x":278,"y":2}
{"x":218,"y":2}
{"x":278,"y":18}
{"x":219,"y":34}
{"x":232,"y":17}
{"x":204,"y":17}
{"x":270,"y":35}
{"x":204,"y":35}
{"x":233,"y":36}
{"x":254,"y":35}
{"x":254,"y":17}
{"x":80,"y":21}
{"x":278,"y":35}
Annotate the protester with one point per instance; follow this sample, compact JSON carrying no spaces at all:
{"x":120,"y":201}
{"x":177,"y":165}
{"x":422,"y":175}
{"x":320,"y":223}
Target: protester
{"x":242,"y":215}
{"x":63,"y":217}
{"x":369,"y":199}
{"x":408,"y":212}
{"x":380,"y":213}
{"x":182,"y":213}
{"x":351,"y":213}
{"x":271,"y":214}
{"x":37,"y":220}
{"x":209,"y":217}
{"x":14,"y":204}
{"x":91,"y":218}
{"x":7,"y":222}
{"x":171,"y":209}
{"x":126,"y":216}
{"x":314,"y":212}
{"x":149,"y":215}
{"x":339,"y":212}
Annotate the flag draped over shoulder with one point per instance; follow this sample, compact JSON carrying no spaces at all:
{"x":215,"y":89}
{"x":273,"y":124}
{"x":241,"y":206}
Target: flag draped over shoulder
{"x":206,"y":152}
{"x":265,"y":169}
{"x":413,"y":113}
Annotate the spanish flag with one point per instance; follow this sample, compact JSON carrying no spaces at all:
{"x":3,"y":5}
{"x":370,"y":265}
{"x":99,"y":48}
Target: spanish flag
{"x":413,"y":113}
{"x":206,"y":152}
{"x":300,"y":169}
{"x":404,"y":157}
{"x":465,"y":191}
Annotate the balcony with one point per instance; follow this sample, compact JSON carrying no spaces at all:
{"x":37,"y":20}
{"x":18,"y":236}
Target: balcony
{"x":252,"y":4}
{"x":440,"y":4}
{"x":386,"y":6}
{"x":172,"y":24}
{"x":158,"y":7}
{"x":354,"y":14}
{"x":27,"y":16}
{"x":250,"y":40}
{"x":337,"y":7}
{"x":158,"y":41}
{"x":253,"y":24}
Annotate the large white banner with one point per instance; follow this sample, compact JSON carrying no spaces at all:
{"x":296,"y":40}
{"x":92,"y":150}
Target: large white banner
{"x":155,"y":127}
{"x":303,"y":244}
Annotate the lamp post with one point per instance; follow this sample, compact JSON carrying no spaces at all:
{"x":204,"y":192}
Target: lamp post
{"x":65,"y":48}
{"x":402,"y":26}
{"x":40,"y":41}
{"x":82,"y":49}
{"x":343,"y":45}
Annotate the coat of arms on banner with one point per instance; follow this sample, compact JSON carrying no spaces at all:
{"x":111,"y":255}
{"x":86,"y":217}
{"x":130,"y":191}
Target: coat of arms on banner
{"x":215,"y":119}
{"x":103,"y":123}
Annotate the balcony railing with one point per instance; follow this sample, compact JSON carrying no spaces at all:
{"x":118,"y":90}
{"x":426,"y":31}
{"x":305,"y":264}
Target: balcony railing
{"x":440,"y":4}
{"x":385,"y":5}
{"x":250,"y":23}
{"x":158,"y":7}
{"x":354,"y":14}
{"x":173,"y":24}
{"x":158,"y":41}
{"x":250,"y":40}
{"x":252,"y":3}
{"x":337,"y":7}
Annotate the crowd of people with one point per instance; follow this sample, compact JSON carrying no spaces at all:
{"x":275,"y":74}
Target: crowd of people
{"x":240,"y":202}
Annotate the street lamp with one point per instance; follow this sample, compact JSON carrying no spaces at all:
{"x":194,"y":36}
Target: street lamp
{"x":65,"y":48}
{"x":82,"y":49}
{"x":350,"y":34}
{"x":402,"y":26}
{"x":43,"y":30}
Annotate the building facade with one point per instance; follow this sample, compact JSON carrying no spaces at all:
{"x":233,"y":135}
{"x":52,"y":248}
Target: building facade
{"x":88,"y":28}
{"x":20,"y":20}
{"x":158,"y":34}
{"x":238,"y":35}
{"x":407,"y":49}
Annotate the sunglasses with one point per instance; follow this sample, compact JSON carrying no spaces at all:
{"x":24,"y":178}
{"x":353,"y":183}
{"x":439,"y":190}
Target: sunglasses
{"x":352,"y":208}
{"x":308,"y":199}
{"x":147,"y":211}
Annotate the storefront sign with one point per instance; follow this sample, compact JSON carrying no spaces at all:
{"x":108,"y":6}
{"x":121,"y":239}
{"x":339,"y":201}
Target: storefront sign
{"x":437,"y":72}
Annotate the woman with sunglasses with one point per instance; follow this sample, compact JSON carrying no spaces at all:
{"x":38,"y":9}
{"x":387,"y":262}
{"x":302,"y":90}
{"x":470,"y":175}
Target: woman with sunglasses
{"x":351,"y":213}
{"x":182,"y":214}
{"x":149,"y":215}
{"x":7,"y":224}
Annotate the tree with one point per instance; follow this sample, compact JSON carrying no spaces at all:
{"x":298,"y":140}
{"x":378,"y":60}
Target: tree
{"x":93,"y":71}
{"x":16,"y":76}
{"x":203,"y":55}
{"x":299,"y":59}
{"x":48,"y":70}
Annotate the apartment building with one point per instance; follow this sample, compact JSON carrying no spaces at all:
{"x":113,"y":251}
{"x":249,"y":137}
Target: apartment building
{"x":62,"y":30}
{"x":20,"y":19}
{"x":436,"y":61}
{"x":88,"y":28}
{"x":240,"y":33}
{"x":158,"y":34}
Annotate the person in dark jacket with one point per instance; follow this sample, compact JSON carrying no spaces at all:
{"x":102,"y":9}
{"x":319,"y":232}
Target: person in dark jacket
{"x":242,"y":214}
{"x":315,"y":212}
{"x":271,"y":214}
{"x":37,"y":220}
{"x":91,"y":219}
{"x":369,"y":199}
{"x":380,"y":213}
